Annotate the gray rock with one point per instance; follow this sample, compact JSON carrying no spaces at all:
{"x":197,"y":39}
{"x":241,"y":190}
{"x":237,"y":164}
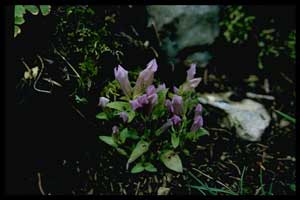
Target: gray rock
{"x":248,"y":117}
{"x":180,"y":27}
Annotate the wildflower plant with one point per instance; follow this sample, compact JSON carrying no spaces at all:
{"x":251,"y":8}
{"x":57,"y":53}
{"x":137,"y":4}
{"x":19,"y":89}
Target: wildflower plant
{"x":151,"y":122}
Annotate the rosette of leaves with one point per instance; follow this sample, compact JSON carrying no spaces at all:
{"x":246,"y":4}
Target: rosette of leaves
{"x":21,"y":10}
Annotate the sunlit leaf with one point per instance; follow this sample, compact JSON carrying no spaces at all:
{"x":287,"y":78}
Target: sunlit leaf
{"x":172,"y":161}
{"x":141,"y":148}
{"x":137,"y":168}
{"x":19,"y":11}
{"x":102,"y":115}
{"x":45,"y":9}
{"x":33,"y":9}
{"x":19,"y":20}
{"x":17,"y":31}
{"x":174,"y":140}
{"x":119,"y":105}
{"x":150,"y":167}
{"x":108,"y":140}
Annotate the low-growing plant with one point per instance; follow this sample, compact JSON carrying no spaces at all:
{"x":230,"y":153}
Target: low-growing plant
{"x":151,"y":122}
{"x":20,"y":10}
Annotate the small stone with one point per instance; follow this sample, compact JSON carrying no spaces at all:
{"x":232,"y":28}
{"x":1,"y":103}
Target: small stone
{"x":163,"y":191}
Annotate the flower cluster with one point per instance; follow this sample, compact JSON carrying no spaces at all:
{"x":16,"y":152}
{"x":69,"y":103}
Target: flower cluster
{"x":147,"y":111}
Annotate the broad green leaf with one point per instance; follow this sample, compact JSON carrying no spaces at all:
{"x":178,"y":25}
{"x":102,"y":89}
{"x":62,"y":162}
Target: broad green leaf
{"x":121,"y":151}
{"x":119,"y":105}
{"x":137,"y":168}
{"x":174,"y":140}
{"x":140,"y":148}
{"x":45,"y":9}
{"x":123,"y":135}
{"x":108,"y":140}
{"x":131,"y":115}
{"x":172,"y":161}
{"x":17,"y":31}
{"x":19,"y":20}
{"x":132,"y":134}
{"x":102,"y":115}
{"x":293,"y":187}
{"x":150,"y":167}
{"x":19,"y":11}
{"x":33,"y":9}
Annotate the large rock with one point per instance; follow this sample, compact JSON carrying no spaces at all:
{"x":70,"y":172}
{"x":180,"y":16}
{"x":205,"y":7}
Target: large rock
{"x":249,"y":118}
{"x":181,"y":27}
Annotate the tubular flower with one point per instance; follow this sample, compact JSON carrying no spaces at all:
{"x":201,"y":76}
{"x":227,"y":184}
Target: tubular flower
{"x":177,"y":103}
{"x":169,"y":105}
{"x":145,"y":77}
{"x":198,"y":109}
{"x":124,"y":116}
{"x":135,"y":104}
{"x":198,"y":123}
{"x":121,"y":75}
{"x":151,"y":95}
{"x":161,"y":87}
{"x":176,"y":119}
{"x":191,"y":72}
{"x":103,"y":101}
{"x":143,"y":99}
{"x":175,"y":89}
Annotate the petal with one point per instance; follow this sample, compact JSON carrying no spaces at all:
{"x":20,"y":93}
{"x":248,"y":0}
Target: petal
{"x":191,"y":72}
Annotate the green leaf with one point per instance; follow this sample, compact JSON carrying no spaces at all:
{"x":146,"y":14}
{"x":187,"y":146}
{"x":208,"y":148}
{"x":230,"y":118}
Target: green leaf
{"x":140,"y":148}
{"x":102,"y":115}
{"x":19,"y":20}
{"x":19,"y":11}
{"x":121,"y":151}
{"x":108,"y":140}
{"x":137,"y":168}
{"x":150,"y":167}
{"x":17,"y":31}
{"x":172,"y":161}
{"x":293,"y":187}
{"x":33,"y":9}
{"x":132,"y":134}
{"x":174,"y":140}
{"x":119,"y":105}
{"x":123,"y":135}
{"x":286,"y":116}
{"x":45,"y":9}
{"x":131,"y":115}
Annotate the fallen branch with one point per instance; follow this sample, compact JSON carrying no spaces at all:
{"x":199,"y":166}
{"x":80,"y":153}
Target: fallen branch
{"x":38,"y":77}
{"x":40,"y":184}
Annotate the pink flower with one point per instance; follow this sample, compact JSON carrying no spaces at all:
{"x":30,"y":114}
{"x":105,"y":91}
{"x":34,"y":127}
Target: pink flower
{"x":145,"y":77}
{"x":121,"y":76}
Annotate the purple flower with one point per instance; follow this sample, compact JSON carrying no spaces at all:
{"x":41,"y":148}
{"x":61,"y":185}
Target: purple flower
{"x":151,"y":90}
{"x":143,"y":99}
{"x":198,"y":109}
{"x":169,"y":105}
{"x":153,"y":99}
{"x":145,"y":77}
{"x":191,"y":84}
{"x":124,"y":116}
{"x":198,"y":123}
{"x":135,"y":104}
{"x":115,"y":129}
{"x":161,"y":87}
{"x":177,"y":103}
{"x":103,"y":101}
{"x":176,"y":119}
{"x":175,"y":89}
{"x":121,"y":76}
{"x":191,"y":72}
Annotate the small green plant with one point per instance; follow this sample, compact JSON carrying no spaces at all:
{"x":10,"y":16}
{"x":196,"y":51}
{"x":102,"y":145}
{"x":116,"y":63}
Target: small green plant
{"x":291,"y":44}
{"x":152,"y":123}
{"x":20,"y":11}
{"x":236,"y":24}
